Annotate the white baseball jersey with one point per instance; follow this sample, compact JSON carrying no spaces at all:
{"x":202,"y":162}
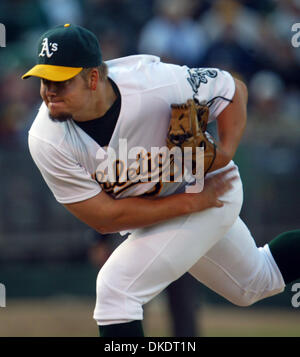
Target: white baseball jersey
{"x":213,"y":245}
{"x":68,"y":157}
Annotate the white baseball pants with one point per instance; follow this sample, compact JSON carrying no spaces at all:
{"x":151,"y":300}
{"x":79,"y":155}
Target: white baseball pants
{"x":214,"y":246}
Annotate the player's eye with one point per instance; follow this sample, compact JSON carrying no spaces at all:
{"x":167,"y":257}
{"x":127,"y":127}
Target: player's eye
{"x":67,"y":82}
{"x":45,"y":81}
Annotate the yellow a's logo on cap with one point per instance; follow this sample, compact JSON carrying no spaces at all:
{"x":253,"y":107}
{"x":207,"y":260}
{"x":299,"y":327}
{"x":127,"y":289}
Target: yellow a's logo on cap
{"x":46,"y":48}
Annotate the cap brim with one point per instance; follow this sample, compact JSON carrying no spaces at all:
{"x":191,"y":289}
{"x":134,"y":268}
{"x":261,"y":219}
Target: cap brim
{"x":53,"y":73}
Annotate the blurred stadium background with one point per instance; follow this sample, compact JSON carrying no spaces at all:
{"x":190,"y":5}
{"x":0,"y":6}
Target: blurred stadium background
{"x":49,"y":260}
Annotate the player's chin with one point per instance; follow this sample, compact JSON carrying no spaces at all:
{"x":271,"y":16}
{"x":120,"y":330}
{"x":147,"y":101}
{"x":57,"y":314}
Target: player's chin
{"x":59,"y":116}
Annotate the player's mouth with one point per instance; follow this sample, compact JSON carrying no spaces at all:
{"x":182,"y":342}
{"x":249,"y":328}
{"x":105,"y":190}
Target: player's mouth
{"x":54,"y":103}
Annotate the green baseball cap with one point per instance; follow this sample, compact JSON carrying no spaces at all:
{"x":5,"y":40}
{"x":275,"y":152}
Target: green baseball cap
{"x":64,"y":51}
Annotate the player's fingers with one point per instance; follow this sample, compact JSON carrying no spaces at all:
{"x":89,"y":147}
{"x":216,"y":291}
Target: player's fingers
{"x":219,"y":203}
{"x":224,"y":185}
{"x":224,"y":179}
{"x":223,"y":174}
{"x":219,"y":179}
{"x":230,"y":180}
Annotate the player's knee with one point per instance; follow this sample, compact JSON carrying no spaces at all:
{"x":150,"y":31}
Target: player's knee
{"x":106,"y":296}
{"x":244,"y":300}
{"x":115,"y":304}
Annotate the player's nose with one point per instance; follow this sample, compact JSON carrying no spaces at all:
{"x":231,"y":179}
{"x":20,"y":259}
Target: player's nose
{"x":50,"y":88}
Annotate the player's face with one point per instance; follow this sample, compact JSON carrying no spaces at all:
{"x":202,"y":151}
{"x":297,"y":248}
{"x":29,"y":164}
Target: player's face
{"x":64,"y":99}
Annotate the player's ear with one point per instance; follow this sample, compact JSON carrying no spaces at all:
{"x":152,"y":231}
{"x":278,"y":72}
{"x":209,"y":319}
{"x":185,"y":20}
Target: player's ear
{"x":93,"y":79}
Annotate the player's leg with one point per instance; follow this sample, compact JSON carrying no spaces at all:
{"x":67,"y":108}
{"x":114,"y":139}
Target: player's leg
{"x":244,"y":274}
{"x":151,"y":258}
{"x":184,"y":298}
{"x":285,"y":249}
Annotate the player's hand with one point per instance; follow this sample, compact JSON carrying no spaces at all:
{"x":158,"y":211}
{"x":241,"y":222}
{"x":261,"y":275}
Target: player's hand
{"x":214,"y":188}
{"x":217,"y":185}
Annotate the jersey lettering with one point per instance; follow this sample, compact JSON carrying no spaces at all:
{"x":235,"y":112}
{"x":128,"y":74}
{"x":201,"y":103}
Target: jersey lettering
{"x":198,"y":76}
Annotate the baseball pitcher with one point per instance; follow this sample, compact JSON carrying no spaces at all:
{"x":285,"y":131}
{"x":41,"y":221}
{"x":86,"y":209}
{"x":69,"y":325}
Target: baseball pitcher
{"x":97,"y":141}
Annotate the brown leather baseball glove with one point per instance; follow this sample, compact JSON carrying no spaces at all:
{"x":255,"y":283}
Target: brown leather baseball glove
{"x":188,"y":129}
